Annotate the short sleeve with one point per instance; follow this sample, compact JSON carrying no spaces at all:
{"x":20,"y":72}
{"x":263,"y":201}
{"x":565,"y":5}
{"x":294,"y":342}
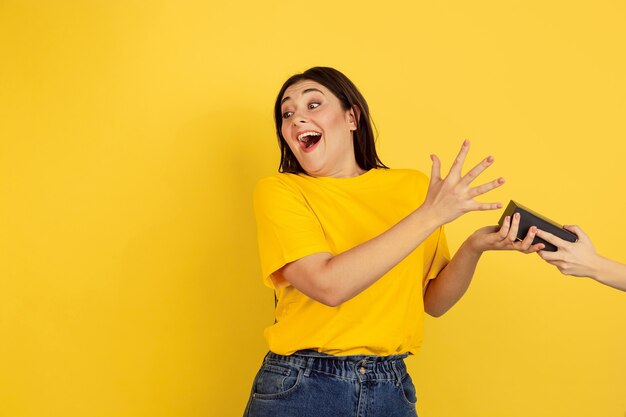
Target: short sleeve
{"x":287,"y":228}
{"x":436,"y":255}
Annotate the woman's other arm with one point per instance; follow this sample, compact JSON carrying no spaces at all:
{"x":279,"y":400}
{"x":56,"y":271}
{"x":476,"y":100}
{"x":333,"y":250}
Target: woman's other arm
{"x":452,"y":282}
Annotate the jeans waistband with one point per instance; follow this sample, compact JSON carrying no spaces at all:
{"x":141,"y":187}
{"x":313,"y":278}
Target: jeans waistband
{"x":361,"y":367}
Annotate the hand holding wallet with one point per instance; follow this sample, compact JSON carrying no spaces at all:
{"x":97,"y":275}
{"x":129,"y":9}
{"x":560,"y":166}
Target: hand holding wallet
{"x":529,"y":218}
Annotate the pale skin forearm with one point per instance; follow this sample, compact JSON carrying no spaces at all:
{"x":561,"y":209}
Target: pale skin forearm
{"x":606,"y":271}
{"x":609,"y":272}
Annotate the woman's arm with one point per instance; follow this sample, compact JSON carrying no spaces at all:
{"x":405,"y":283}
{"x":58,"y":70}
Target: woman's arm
{"x":581,"y":260}
{"x":333,"y":280}
{"x":452,"y":282}
{"x":609,"y":272}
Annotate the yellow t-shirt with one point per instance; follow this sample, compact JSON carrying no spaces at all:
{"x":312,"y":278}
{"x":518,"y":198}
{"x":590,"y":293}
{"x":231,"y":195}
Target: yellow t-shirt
{"x":299,"y":215}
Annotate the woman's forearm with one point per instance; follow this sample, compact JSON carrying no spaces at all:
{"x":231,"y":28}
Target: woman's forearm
{"x":609,"y":272}
{"x":335,"y":279}
{"x":453,"y":281}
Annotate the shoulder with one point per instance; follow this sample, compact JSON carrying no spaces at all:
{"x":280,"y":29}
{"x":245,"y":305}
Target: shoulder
{"x":277,"y":189}
{"x":273,"y":183}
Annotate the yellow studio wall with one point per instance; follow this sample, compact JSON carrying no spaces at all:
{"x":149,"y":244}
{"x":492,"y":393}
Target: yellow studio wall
{"x":132,"y":134}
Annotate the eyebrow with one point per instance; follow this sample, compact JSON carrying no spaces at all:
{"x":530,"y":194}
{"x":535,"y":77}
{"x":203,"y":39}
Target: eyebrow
{"x":308,"y":90}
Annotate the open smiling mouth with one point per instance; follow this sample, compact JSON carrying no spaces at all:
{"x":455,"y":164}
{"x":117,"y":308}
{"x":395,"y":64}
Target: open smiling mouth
{"x":308,"y":139}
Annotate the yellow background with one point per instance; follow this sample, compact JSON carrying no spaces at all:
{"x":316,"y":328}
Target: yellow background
{"x":132,"y":134}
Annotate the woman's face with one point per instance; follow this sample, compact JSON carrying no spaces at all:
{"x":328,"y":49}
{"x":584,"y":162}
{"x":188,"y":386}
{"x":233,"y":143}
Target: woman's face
{"x":318,"y":130}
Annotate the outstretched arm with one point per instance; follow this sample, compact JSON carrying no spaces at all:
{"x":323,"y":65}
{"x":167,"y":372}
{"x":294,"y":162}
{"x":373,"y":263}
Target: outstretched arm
{"x":452,"y":282}
{"x":581,"y":260}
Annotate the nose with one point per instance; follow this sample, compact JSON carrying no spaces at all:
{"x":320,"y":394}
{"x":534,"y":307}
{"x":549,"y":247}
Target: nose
{"x":298,"y":118}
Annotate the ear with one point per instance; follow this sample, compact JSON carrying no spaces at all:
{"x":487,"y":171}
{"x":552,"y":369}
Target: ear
{"x":354,"y":115}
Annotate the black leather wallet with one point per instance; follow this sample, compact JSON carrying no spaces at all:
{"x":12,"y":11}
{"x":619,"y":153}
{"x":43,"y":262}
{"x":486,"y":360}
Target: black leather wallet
{"x":529,"y":218}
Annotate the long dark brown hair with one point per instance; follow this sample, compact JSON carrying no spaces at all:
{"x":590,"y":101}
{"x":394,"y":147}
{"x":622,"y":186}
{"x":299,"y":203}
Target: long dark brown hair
{"x":350,"y":98}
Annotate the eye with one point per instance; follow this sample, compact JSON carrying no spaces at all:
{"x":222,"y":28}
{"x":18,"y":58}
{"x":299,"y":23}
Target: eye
{"x":287,"y":114}
{"x":314,"y":105}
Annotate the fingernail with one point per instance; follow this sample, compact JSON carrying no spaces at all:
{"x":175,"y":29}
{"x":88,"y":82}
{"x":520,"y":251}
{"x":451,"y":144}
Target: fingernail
{"x":500,"y":180}
{"x":432,"y":158}
{"x":517,"y":215}
{"x":490,"y":159}
{"x":466,"y":142}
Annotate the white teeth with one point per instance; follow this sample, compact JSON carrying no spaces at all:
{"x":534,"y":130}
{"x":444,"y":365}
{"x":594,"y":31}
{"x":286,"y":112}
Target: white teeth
{"x":305,"y":134}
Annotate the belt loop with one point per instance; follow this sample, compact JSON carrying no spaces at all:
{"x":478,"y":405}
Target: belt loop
{"x":396,"y":372}
{"x":309,"y":366}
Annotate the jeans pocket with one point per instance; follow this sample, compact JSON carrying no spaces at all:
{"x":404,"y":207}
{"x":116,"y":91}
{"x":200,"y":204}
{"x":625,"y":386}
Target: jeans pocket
{"x":276,"y":380}
{"x":408,"y":390}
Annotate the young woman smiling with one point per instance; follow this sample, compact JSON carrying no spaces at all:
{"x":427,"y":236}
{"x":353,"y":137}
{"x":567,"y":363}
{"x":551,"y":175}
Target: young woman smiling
{"x":355,"y":253}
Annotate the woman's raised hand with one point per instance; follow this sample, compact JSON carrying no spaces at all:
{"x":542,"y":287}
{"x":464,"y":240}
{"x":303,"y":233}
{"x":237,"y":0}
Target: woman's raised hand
{"x":452,"y":196}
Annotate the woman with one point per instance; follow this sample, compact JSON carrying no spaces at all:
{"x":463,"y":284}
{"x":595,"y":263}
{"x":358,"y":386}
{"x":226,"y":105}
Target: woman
{"x":580,"y":259}
{"x":355,"y":253}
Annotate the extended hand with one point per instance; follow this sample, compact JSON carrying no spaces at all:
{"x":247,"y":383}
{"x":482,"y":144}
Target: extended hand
{"x":451,"y":197}
{"x":572,"y":258}
{"x":505,"y":238}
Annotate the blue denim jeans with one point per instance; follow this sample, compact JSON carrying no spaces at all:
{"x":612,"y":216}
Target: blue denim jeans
{"x":312,"y":384}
